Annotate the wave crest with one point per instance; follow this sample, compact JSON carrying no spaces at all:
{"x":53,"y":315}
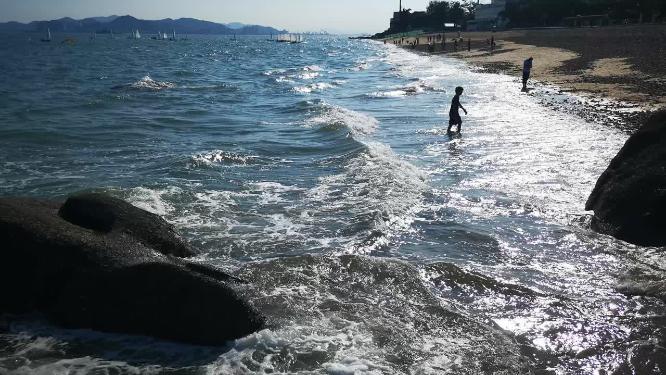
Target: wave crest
{"x":333,"y":116}
{"x":146,"y":83}
{"x":221,"y":157}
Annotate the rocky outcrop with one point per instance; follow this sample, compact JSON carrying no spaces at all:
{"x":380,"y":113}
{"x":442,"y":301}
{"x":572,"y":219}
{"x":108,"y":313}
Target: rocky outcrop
{"x":629,"y":200}
{"x":98,"y":262}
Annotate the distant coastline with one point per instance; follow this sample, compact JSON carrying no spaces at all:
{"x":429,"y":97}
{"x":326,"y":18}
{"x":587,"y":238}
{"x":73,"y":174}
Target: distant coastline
{"x":125,"y":24}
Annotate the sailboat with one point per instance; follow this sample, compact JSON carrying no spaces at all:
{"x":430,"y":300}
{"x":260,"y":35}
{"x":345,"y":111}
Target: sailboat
{"x":290,"y":38}
{"x":173,"y":36}
{"x":135,"y":35}
{"x":48,"y":36}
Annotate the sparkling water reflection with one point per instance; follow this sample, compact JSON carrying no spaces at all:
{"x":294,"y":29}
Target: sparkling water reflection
{"x":322,"y":172}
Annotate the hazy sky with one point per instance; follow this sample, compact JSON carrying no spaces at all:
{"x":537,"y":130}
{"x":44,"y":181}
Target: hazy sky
{"x":351,"y":16}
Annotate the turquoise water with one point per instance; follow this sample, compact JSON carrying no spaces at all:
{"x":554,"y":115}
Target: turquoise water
{"x":322,"y":173}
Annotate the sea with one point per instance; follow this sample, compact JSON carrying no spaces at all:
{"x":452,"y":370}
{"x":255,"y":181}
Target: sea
{"x":322,"y":173}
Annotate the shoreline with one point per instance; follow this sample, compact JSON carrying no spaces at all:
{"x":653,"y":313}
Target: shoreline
{"x":621,"y":63}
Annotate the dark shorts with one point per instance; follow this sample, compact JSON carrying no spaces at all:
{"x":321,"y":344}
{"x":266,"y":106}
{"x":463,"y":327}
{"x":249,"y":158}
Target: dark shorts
{"x":454,"y":119}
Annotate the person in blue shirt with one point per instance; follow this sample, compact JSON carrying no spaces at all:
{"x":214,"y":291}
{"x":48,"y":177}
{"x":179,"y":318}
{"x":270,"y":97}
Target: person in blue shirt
{"x":454,"y":116}
{"x":527,"y":67}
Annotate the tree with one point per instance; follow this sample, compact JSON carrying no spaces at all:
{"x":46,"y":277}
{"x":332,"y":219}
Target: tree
{"x":528,"y":13}
{"x":457,"y":12}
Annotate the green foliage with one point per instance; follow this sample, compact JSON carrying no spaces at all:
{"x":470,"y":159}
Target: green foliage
{"x":457,"y":12}
{"x":527,"y":13}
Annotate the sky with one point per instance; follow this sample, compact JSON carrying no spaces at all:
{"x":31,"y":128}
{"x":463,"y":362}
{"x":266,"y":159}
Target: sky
{"x":337,"y":16}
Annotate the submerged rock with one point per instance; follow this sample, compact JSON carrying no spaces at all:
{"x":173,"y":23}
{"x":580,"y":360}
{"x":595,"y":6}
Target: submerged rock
{"x":98,"y":262}
{"x":629,"y":200}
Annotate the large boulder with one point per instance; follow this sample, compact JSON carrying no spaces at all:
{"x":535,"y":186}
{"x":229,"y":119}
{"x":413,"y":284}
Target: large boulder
{"x":629,"y":200}
{"x":98,"y":262}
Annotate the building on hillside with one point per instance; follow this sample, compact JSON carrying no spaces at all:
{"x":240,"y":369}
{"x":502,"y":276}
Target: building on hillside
{"x":406,"y":20}
{"x":489,"y":16}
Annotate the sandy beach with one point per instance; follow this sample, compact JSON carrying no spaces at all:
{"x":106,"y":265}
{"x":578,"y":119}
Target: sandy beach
{"x":624,"y":63}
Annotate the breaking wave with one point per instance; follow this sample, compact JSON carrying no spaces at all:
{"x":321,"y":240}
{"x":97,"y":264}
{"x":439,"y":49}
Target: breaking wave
{"x":332,"y":116}
{"x":219,"y":157}
{"x":146,"y":83}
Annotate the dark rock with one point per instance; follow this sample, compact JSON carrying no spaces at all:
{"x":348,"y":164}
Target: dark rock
{"x":4,"y":325}
{"x":114,"y":271}
{"x":104,"y":213}
{"x":629,"y":200}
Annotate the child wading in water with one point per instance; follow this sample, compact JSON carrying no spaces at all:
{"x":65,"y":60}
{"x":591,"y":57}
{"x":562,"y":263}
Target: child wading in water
{"x":454,"y":116}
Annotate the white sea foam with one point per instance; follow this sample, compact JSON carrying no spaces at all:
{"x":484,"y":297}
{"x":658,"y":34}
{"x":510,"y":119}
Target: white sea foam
{"x":83,"y":365}
{"x":357,"y":122}
{"x":354,"y":366}
{"x":364,"y":65}
{"x":274,"y":71}
{"x":419,"y":87}
{"x":378,"y":191}
{"x":309,"y":75}
{"x":319,"y":86}
{"x":356,"y":315}
{"x":284,"y":79}
{"x":388,"y":94}
{"x":147,"y":83}
{"x":152,"y":199}
{"x":220,"y":157}
{"x":271,"y":192}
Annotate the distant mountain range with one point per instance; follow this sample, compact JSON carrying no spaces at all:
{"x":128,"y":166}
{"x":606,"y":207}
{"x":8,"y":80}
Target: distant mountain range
{"x":125,"y":24}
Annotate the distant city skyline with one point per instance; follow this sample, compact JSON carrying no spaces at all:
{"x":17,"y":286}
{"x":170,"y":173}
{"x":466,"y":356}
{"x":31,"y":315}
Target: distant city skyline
{"x":339,"y":16}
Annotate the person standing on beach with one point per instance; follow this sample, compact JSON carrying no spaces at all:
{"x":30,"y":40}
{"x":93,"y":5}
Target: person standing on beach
{"x":527,"y":68}
{"x":454,"y":115}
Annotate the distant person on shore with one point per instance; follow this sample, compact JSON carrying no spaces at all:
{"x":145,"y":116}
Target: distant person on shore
{"x":454,"y":115}
{"x":527,"y":68}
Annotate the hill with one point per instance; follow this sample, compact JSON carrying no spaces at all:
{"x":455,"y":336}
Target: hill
{"x":125,"y":24}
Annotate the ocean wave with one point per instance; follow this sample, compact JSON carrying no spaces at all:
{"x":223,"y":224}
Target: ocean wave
{"x":319,"y":86}
{"x":221,"y":157}
{"x":387,"y":193}
{"x":274,"y":71}
{"x":312,"y":68}
{"x":212,"y":87}
{"x":32,"y":340}
{"x":364,"y":65}
{"x":417,"y":88}
{"x":284,"y":79}
{"x":146,"y":83}
{"x":309,"y":75}
{"x":453,"y":278}
{"x":376,"y":192}
{"x":376,"y":189}
{"x":332,"y":116}
{"x":647,"y":276}
{"x":152,"y":200}
{"x":356,"y":314}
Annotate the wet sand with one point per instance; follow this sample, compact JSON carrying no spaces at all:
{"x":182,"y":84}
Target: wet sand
{"x":624,"y":63}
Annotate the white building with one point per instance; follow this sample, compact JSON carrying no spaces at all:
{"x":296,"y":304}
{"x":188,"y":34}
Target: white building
{"x":488,"y":16}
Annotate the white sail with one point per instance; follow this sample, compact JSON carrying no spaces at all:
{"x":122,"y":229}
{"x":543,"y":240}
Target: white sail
{"x":48,"y":34}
